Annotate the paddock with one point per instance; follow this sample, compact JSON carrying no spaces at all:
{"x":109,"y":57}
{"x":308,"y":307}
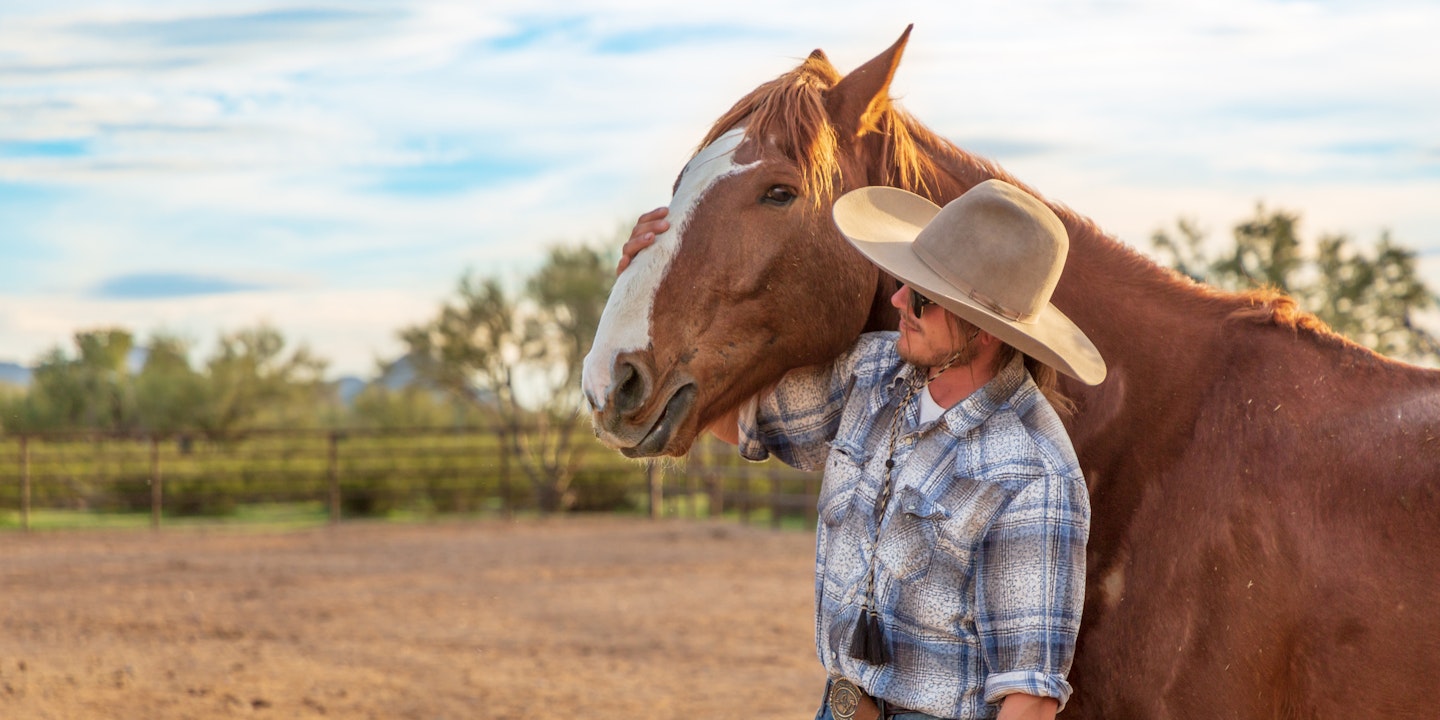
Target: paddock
{"x":597,"y":616}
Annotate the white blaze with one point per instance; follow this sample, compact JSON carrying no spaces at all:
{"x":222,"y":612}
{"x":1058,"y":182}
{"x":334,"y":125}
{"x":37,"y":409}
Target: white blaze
{"x":625,"y":324}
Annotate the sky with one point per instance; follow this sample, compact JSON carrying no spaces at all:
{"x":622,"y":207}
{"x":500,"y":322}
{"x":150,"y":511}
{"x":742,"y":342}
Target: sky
{"x":334,"y":168}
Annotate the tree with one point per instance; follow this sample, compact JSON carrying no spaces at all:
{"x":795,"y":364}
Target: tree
{"x":90,"y":391}
{"x":249,"y":381}
{"x":519,"y":361}
{"x":252,"y":382}
{"x":1372,"y":298}
{"x":170,"y":395}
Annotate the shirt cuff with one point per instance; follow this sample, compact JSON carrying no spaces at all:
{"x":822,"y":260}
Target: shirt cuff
{"x":751,"y":448}
{"x":1031,"y":683}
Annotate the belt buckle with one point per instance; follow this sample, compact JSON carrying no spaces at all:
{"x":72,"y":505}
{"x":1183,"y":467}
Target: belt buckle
{"x":844,"y":699}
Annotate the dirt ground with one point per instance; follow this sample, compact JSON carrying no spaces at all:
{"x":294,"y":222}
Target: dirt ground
{"x":592,"y":617}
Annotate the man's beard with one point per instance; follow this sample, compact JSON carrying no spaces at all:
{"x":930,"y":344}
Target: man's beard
{"x":964,"y":355}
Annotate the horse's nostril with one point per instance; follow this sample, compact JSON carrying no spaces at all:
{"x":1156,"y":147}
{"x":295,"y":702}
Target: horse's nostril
{"x":629,"y":389}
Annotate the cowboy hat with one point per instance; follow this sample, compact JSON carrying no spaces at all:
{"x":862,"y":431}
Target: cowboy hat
{"x":991,"y":256}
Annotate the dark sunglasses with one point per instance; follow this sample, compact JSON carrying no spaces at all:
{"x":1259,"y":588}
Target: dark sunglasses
{"x":918,"y":303}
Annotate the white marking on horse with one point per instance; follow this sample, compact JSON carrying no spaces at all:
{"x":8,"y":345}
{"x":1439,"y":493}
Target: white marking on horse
{"x":625,"y":324}
{"x":1112,"y":587}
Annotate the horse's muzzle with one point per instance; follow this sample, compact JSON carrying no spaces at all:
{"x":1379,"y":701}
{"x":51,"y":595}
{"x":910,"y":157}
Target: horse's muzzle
{"x":675,"y":413}
{"x":640,"y":416}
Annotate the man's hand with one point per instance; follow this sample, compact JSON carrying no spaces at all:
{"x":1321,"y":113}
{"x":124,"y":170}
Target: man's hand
{"x":1020,"y":706}
{"x":727,"y":426}
{"x":646,"y":228}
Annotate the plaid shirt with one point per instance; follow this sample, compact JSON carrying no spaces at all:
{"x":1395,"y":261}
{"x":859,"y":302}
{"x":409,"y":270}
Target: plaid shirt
{"x":980,"y":572}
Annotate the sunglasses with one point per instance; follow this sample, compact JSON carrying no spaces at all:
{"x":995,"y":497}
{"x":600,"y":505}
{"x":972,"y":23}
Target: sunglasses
{"x":918,"y":303}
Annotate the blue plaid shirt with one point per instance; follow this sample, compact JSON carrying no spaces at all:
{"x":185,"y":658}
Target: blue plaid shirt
{"x":980,"y":564}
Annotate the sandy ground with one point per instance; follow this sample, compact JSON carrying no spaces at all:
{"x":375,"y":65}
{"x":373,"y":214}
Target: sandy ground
{"x":591,"y":617}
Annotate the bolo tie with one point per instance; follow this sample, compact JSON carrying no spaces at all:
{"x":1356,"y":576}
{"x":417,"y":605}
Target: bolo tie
{"x":867,"y":641}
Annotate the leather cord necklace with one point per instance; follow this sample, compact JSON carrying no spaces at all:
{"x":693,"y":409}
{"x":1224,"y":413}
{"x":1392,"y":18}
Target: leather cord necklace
{"x":867,"y":640}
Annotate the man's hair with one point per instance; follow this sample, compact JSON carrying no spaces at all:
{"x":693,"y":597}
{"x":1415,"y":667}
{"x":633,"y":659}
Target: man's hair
{"x":1046,"y":378}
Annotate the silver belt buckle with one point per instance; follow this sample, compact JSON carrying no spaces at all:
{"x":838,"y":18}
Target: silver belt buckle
{"x":844,"y":699}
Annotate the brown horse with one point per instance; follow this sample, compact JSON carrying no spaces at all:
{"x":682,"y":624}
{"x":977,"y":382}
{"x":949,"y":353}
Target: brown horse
{"x":1266,"y":494}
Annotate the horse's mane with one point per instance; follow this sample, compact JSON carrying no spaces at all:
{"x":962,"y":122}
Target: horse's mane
{"x":791,"y":112}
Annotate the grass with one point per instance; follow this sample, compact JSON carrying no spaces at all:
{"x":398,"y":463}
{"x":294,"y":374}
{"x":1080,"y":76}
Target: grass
{"x":260,"y":516}
{"x":283,"y":517}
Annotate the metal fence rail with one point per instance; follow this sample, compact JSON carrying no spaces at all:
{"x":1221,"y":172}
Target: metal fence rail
{"x":372,"y":472}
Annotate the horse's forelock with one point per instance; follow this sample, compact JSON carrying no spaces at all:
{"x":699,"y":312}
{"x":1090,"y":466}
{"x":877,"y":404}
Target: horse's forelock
{"x":790,"y":111}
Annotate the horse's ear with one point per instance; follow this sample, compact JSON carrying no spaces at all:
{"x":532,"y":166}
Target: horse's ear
{"x":819,"y":64}
{"x":858,"y":99}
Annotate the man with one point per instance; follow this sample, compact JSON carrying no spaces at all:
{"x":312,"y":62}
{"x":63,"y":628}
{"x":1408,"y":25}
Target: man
{"x":950,"y":548}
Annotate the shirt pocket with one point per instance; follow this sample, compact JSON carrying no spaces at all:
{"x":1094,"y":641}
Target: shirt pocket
{"x":974,"y":506}
{"x":907,"y":544}
{"x":844,"y":469}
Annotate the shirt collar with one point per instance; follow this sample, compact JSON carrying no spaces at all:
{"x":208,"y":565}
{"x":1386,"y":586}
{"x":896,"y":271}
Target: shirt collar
{"x":974,"y":410}
{"x":969,"y":413}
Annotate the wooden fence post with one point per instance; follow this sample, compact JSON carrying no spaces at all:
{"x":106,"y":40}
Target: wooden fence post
{"x":156,"y":492}
{"x":776,"y":499}
{"x":715,"y":480}
{"x":657,"y":493}
{"x":745,"y":498}
{"x":333,"y":477}
{"x":506,"y":507}
{"x":25,"y":483}
{"x":692,"y":491}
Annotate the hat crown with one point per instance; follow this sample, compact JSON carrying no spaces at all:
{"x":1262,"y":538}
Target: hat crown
{"x":1001,"y":245}
{"x":992,"y":256}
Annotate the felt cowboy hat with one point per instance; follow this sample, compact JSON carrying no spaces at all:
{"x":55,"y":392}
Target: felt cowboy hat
{"x":991,"y":256}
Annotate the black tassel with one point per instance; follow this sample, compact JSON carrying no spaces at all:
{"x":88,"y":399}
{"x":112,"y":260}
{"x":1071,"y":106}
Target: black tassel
{"x":875,"y":652}
{"x":860,"y":638}
{"x":867,"y":642}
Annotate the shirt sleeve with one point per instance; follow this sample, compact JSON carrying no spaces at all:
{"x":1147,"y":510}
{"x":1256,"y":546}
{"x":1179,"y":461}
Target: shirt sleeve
{"x":797,"y":419}
{"x":1030,"y":589}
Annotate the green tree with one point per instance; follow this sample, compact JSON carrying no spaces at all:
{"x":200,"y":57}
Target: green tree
{"x":253,"y":382}
{"x":13,"y":409}
{"x":519,"y":360}
{"x":1372,"y":297}
{"x":90,"y":391}
{"x":170,"y":395}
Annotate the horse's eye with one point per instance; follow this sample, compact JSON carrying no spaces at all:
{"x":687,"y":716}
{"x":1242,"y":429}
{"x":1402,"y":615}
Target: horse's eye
{"x":778,"y":195}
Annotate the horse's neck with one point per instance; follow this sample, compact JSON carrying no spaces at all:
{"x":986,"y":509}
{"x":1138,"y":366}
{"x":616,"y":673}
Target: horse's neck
{"x":1152,"y":329}
{"x":883,"y":315}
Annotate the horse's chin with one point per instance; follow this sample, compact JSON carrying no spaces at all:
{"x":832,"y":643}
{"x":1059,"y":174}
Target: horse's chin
{"x":667,"y":425}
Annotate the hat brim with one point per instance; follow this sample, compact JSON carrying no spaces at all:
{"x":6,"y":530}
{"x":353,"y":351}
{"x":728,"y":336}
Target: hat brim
{"x":883,"y":222}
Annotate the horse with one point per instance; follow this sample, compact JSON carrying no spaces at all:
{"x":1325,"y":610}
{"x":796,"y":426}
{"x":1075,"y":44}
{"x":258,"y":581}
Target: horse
{"x":1266,"y":509}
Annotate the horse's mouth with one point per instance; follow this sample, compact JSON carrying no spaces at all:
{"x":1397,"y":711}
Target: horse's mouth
{"x":670,"y":419}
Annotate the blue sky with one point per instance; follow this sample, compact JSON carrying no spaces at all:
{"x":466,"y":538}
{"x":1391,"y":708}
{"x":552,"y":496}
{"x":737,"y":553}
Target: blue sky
{"x":333,"y":168}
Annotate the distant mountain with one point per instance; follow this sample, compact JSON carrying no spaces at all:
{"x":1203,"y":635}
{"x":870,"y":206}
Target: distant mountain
{"x":399,"y":374}
{"x":135,"y":361}
{"x":348,"y":387}
{"x":16,"y":374}
{"x":13,"y":374}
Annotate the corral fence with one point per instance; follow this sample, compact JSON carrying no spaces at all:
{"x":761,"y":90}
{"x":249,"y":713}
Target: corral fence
{"x":370,"y":473}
